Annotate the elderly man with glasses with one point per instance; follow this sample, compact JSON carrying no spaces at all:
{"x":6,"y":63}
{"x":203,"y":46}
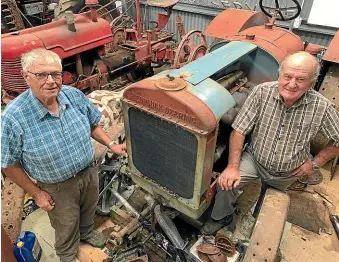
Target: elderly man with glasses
{"x":46,"y":134}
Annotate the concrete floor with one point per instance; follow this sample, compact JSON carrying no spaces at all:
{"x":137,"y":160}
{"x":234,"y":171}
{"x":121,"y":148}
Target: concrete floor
{"x":301,"y":245}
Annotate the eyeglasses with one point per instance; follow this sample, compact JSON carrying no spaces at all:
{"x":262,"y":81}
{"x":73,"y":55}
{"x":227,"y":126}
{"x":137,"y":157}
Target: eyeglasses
{"x":42,"y":76}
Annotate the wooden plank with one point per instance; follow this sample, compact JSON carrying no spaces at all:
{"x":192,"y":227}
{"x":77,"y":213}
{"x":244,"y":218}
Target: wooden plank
{"x":268,"y":230}
{"x":87,"y":253}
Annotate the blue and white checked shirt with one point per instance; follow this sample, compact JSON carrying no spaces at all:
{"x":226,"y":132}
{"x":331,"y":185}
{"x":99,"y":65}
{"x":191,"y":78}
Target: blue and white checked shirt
{"x":50,"y":148}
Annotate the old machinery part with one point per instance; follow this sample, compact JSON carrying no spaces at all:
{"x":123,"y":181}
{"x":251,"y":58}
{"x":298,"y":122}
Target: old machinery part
{"x":169,"y":228}
{"x":210,"y":253}
{"x":134,"y":224}
{"x":170,"y":83}
{"x":122,"y":21}
{"x":192,"y":46}
{"x":108,"y":13}
{"x":208,"y":249}
{"x":10,"y":17}
{"x":277,"y":10}
{"x":12,"y":200}
{"x":332,"y":52}
{"x":333,"y":218}
{"x":225,"y":244}
{"x":119,"y":37}
{"x":180,"y":26}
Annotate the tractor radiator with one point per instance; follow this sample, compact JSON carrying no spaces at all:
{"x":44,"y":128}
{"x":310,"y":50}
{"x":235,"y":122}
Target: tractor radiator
{"x":163,"y":152}
{"x":11,"y":78}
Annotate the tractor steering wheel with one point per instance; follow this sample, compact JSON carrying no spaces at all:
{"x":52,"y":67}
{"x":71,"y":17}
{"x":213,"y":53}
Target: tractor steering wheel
{"x":270,"y":11}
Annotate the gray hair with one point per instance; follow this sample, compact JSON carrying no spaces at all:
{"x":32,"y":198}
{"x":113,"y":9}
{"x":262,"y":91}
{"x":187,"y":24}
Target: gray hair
{"x":28,"y":59}
{"x":304,"y":54}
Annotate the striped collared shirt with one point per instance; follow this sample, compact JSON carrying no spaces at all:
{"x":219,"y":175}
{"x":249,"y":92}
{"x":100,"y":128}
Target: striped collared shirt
{"x":50,"y":148}
{"x":280,"y":138}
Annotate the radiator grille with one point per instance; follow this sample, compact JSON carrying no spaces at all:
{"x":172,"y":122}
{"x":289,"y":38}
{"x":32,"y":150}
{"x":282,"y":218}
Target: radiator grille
{"x":163,"y":152}
{"x":11,"y":78}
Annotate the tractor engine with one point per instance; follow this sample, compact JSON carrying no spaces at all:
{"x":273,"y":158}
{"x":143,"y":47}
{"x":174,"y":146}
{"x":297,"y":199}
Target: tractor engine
{"x":173,"y":119}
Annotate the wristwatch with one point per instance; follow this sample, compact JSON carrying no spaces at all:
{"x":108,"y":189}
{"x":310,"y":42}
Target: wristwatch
{"x":314,"y":165}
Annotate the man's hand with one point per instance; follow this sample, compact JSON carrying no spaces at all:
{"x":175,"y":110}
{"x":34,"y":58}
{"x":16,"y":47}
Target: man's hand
{"x":119,"y":149}
{"x":44,"y":200}
{"x":304,"y":170}
{"x":229,"y":178}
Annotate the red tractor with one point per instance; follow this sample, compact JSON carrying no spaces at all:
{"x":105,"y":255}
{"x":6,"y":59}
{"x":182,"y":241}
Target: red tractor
{"x":96,"y":53}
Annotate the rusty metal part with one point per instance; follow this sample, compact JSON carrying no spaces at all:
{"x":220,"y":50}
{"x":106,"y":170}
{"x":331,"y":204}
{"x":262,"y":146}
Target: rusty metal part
{"x":122,"y":21}
{"x":276,"y":41}
{"x":6,"y":247}
{"x":329,"y":89}
{"x":12,"y":200}
{"x":218,"y":257}
{"x":225,"y":244}
{"x":138,"y":259}
{"x":134,"y":224}
{"x":232,"y":21}
{"x":203,"y":257}
{"x":98,"y":10}
{"x":180,"y":25}
{"x":313,"y":49}
{"x":192,"y":46}
{"x":332,"y":52}
{"x":162,"y":3}
{"x":268,"y":230}
{"x":12,"y":18}
{"x":170,"y":83}
{"x":162,"y":19}
{"x":208,"y":249}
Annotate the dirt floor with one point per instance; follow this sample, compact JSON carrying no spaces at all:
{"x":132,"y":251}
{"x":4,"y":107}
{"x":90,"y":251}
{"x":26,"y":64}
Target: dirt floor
{"x":302,"y":245}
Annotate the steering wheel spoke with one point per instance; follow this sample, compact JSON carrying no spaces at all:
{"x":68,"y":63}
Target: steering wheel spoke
{"x":278,"y":11}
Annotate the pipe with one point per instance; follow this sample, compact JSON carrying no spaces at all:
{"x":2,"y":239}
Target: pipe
{"x":78,"y":63}
{"x":70,"y":21}
{"x":229,"y":79}
{"x":169,"y":228}
{"x":137,"y":5}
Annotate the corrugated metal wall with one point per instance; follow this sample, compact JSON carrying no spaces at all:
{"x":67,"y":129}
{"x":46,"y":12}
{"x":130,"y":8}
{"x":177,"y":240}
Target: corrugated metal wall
{"x":197,"y":14}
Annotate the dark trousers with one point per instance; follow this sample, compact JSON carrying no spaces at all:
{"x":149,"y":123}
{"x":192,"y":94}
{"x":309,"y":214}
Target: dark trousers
{"x":250,"y":170}
{"x":72,"y":216}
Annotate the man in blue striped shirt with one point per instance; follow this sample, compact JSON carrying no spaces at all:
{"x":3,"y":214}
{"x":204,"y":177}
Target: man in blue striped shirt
{"x":46,"y":134}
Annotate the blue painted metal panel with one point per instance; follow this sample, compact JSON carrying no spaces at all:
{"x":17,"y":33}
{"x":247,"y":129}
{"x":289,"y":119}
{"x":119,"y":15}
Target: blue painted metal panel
{"x":215,"y":96}
{"x":211,"y":63}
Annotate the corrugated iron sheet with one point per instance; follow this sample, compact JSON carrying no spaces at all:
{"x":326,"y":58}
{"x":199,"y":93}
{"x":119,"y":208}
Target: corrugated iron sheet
{"x":197,"y":14}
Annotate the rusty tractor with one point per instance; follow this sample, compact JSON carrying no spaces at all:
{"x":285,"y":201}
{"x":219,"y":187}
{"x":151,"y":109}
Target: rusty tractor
{"x":97,"y":53}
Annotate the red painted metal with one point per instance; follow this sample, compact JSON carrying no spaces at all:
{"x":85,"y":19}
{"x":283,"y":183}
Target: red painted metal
{"x":232,"y":21}
{"x":180,"y":107}
{"x":332,"y":52}
{"x":56,"y":37}
{"x":6,"y":247}
{"x":277,"y":41}
{"x":188,"y":50}
{"x":313,"y":49}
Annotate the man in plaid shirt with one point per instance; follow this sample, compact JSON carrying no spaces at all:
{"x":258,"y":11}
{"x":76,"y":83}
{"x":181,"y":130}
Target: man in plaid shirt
{"x":46,"y":134}
{"x":282,"y":118}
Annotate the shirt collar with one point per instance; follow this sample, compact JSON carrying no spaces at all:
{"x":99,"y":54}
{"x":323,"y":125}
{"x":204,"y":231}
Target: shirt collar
{"x":41,"y":110}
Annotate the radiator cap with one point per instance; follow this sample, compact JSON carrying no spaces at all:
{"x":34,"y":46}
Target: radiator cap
{"x":170,"y":83}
